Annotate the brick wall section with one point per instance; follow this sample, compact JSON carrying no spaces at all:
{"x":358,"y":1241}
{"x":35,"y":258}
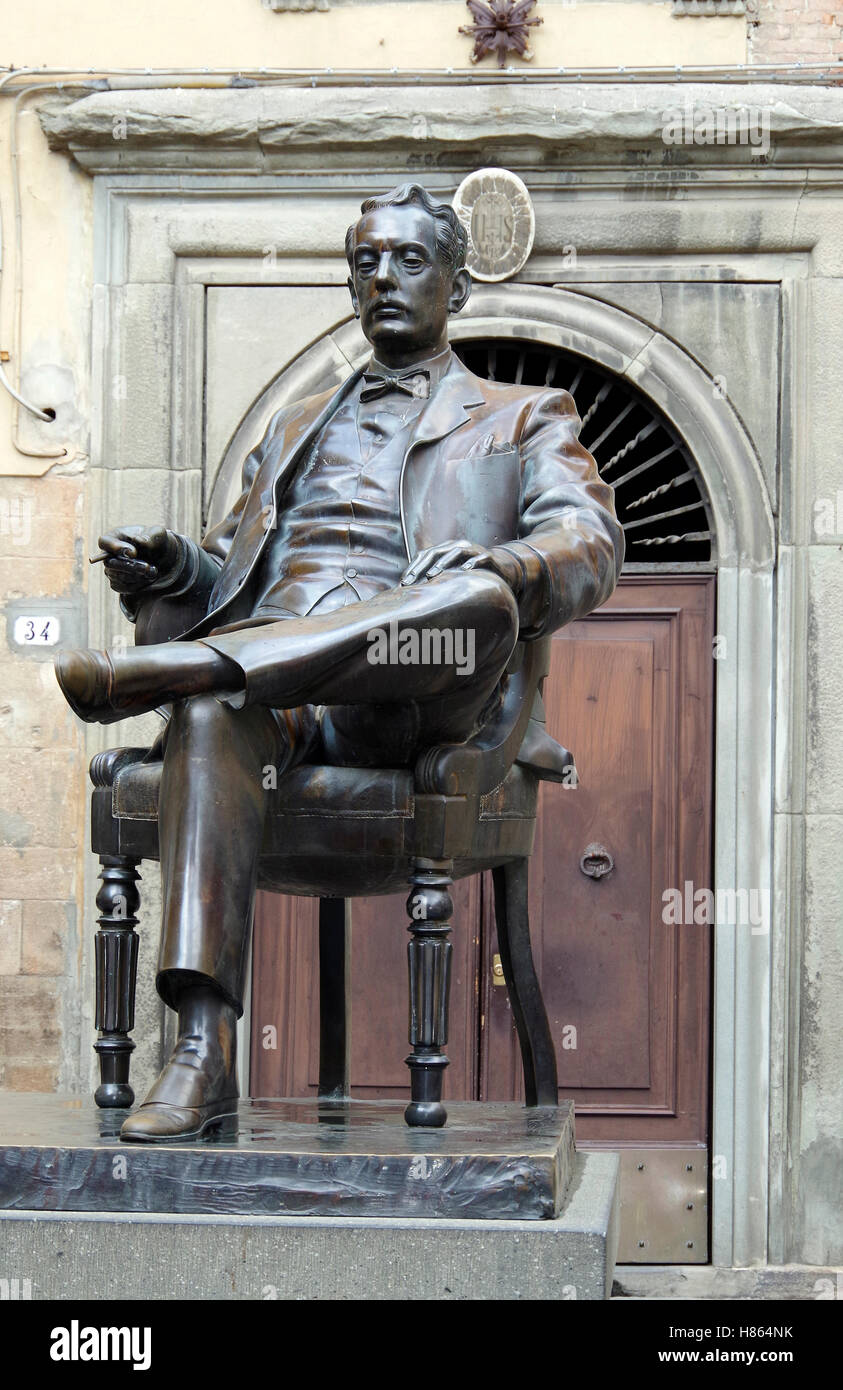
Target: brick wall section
{"x":41,"y":794}
{"x":795,"y":31}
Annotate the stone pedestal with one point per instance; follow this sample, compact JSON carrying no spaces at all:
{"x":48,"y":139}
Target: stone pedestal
{"x":309,"y":1200}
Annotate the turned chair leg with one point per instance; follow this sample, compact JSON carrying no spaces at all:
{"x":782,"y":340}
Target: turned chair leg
{"x":429,"y":908}
{"x":117,"y":964}
{"x":334,"y":1001}
{"x":538,"y":1054}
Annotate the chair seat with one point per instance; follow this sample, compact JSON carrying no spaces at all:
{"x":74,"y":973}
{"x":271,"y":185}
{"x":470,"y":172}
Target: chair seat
{"x":366,"y":815}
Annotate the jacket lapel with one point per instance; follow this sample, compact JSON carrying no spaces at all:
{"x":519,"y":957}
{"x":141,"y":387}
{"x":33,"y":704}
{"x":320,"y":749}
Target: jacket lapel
{"x":446,"y":410}
{"x":309,"y":425}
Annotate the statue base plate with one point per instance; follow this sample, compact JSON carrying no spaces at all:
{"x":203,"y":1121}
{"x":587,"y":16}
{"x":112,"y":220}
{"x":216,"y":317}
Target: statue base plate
{"x":292,"y":1158}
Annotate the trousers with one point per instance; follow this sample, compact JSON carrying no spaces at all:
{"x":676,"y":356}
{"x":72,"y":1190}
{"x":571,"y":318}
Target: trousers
{"x":349,"y":688}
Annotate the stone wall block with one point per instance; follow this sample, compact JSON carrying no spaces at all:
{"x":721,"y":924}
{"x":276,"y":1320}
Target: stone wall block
{"x":824,"y":778}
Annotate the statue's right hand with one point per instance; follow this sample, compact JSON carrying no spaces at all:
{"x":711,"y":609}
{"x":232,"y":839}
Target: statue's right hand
{"x":137,"y":556}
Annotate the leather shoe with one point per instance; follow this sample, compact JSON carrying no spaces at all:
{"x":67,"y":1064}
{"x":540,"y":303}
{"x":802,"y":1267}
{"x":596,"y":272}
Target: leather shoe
{"x":198,"y":1087}
{"x":156,"y":1123}
{"x":86,"y":679}
{"x":90,"y":685}
{"x":103,"y":687}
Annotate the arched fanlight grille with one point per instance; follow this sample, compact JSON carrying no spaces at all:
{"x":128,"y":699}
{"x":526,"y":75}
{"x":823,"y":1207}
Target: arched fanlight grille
{"x":660,"y":498}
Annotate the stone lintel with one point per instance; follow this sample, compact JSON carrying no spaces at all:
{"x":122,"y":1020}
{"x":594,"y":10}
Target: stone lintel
{"x":263,"y":129}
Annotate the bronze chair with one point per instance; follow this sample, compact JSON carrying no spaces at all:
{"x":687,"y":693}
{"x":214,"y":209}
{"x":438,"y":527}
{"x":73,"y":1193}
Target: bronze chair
{"x":463,"y":809}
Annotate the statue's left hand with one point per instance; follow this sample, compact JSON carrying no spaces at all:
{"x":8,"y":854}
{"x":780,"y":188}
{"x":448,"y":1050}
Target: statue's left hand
{"x":465,"y":555}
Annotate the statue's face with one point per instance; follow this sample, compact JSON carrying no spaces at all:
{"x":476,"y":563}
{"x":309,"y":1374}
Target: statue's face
{"x":400,"y":285}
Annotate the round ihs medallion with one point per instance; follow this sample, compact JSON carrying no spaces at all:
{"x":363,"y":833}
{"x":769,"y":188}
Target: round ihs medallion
{"x":497,"y":212}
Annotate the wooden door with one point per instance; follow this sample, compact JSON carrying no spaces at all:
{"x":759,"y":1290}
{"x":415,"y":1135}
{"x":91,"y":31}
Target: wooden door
{"x":630,"y":692}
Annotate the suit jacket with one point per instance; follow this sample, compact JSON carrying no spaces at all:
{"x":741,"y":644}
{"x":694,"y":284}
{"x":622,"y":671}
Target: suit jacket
{"x":493,"y":463}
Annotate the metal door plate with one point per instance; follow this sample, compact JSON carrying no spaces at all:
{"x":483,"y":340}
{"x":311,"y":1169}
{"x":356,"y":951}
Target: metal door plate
{"x":664,"y":1206}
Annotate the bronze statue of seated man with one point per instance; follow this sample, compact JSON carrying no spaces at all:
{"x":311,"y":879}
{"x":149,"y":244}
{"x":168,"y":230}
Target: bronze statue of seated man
{"x":417,"y":502}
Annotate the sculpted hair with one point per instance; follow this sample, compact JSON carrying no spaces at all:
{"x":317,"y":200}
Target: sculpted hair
{"x":451,"y":239}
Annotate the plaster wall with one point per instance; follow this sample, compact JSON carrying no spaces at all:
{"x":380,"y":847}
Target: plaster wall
{"x":380,"y":34}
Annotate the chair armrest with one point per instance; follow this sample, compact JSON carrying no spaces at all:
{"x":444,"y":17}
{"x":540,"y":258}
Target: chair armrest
{"x":178,"y":602}
{"x":482,"y":762}
{"x":105,"y":766}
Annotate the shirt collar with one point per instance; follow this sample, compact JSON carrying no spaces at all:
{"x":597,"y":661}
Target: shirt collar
{"x":437,"y":367}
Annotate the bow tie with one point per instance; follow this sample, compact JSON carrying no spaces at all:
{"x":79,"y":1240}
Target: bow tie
{"x":411,"y":383}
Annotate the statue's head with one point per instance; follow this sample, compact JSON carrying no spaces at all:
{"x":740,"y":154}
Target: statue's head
{"x":407,"y":261}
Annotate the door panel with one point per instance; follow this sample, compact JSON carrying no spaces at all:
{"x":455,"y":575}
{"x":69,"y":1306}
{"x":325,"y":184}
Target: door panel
{"x":631,"y":694}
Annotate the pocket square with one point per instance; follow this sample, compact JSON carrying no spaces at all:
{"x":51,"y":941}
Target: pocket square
{"x":488,"y":445}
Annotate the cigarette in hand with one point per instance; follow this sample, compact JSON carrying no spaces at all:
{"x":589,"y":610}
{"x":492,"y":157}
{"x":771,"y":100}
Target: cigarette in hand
{"x":106,"y":555}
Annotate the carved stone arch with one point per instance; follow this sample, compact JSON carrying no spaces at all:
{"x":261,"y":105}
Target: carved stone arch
{"x":620,"y":343}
